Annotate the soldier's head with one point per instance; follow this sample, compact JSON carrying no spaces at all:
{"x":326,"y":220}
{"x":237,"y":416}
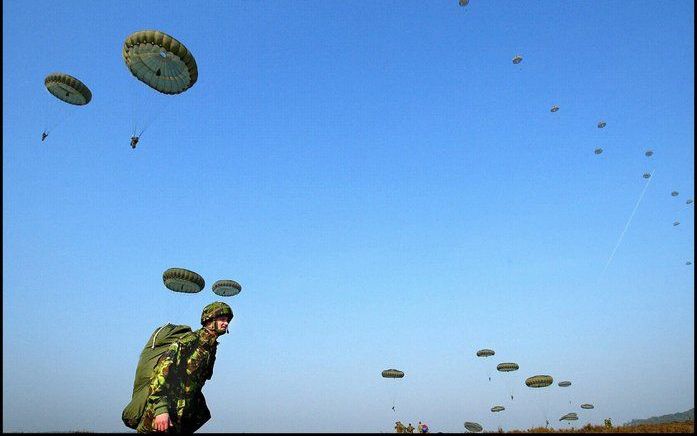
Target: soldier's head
{"x":216,"y":317}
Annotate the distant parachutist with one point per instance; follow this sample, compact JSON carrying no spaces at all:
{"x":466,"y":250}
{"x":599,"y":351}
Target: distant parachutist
{"x":517,"y":59}
{"x":601,"y":124}
{"x":134,"y":141}
{"x":647,"y":175}
{"x":554,"y":108}
{"x":43,"y":136}
{"x":674,"y":194}
{"x":649,"y":153}
{"x":598,"y":150}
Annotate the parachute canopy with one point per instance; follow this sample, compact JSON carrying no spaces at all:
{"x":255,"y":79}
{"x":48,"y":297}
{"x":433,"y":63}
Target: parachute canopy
{"x":498,"y":409}
{"x":473,"y":427}
{"x":160,"y":61}
{"x":464,"y":2}
{"x":554,"y":108}
{"x":392,"y":373}
{"x":601,"y":124}
{"x":226,"y":288}
{"x":569,"y":417}
{"x":586,"y":406}
{"x":688,"y":263}
{"x":67,"y":88}
{"x":517,"y":59}
{"x":564,"y":384}
{"x":485,"y":353}
{"x":598,"y":150}
{"x":507,"y":367}
{"x":676,"y":223}
{"x":689,"y":201}
{"x":674,"y":194}
{"x":183,"y":280}
{"x":539,"y":381}
{"x":648,"y":153}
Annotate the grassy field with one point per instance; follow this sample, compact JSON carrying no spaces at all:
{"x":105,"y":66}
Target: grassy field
{"x":667,"y":427}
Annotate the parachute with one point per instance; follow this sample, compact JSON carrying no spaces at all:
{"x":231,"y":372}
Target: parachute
{"x":183,"y":280}
{"x":689,"y":201}
{"x":68,"y":89}
{"x":464,"y":2}
{"x":506,"y":367}
{"x":517,"y":59}
{"x":496,"y":409}
{"x":160,"y":61}
{"x":485,"y":353}
{"x":601,"y":124}
{"x":648,"y":153}
{"x":647,"y":175}
{"x":688,"y":263}
{"x":392,"y":373}
{"x":587,"y":406}
{"x":569,"y":417}
{"x":159,"y":342}
{"x":598,"y":150}
{"x":676,"y":223}
{"x":473,"y":427}
{"x":564,"y":384}
{"x":539,"y":381}
{"x":163,"y":64}
{"x":674,"y":194}
{"x":226,"y":288}
{"x":554,"y":108}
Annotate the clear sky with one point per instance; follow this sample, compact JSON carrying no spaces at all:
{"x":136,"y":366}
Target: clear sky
{"x":389,"y":189}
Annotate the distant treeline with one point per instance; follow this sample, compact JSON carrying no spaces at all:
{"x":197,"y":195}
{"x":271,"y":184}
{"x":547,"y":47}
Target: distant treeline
{"x":688,"y":415}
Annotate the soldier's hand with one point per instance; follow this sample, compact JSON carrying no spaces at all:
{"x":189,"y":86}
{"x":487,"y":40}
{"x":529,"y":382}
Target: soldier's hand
{"x":162,"y":422}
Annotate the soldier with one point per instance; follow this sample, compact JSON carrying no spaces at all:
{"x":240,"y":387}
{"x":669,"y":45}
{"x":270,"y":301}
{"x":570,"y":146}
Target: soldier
{"x":134,"y":141}
{"x":410,"y":428}
{"x":175,"y":402}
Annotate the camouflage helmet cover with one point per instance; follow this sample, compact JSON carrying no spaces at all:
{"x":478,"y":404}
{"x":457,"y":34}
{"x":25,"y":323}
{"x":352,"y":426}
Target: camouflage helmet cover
{"x":215,"y":310}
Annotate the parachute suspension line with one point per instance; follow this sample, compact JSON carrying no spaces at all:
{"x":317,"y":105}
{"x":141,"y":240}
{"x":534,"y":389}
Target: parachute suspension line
{"x":626,"y":226}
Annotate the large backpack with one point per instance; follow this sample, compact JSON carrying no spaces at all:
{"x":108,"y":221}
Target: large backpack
{"x":159,"y":342}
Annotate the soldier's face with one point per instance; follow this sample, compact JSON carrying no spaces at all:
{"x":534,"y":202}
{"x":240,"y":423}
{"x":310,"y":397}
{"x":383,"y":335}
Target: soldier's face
{"x":221,"y":324}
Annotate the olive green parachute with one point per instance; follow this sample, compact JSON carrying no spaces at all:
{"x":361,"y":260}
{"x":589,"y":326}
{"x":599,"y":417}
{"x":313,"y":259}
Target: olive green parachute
{"x":598,"y":150}
{"x":67,"y":88}
{"x":517,"y":59}
{"x":601,"y":124}
{"x":688,"y":263}
{"x":689,"y":201}
{"x":586,"y":406}
{"x":674,"y":194}
{"x":160,"y":61}
{"x":392,"y":373}
{"x":485,"y":353}
{"x":464,"y":2}
{"x":498,"y":409}
{"x":569,"y":417}
{"x":473,"y":427}
{"x":647,"y":175}
{"x":226,"y":288}
{"x":183,"y":280}
{"x":564,"y":384}
{"x":648,"y":153}
{"x":676,"y":223}
{"x":507,"y":367}
{"x":554,"y":108}
{"x":539,"y":381}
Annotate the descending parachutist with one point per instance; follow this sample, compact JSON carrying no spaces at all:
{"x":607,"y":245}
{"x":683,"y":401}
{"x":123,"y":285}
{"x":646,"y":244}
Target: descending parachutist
{"x":134,"y":141}
{"x":43,"y":136}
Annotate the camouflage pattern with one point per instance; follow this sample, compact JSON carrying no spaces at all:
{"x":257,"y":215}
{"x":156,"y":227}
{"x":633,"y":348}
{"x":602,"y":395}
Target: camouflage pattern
{"x":176,"y":383}
{"x":215,"y":310}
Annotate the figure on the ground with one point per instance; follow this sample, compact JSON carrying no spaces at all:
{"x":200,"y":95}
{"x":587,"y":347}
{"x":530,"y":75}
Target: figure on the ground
{"x":170,"y":399}
{"x":399,"y":427}
{"x":608,"y":423}
{"x":134,"y":141}
{"x":410,"y":428}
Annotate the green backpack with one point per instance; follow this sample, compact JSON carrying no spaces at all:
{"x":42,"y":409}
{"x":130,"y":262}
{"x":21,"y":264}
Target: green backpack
{"x":159,"y":342}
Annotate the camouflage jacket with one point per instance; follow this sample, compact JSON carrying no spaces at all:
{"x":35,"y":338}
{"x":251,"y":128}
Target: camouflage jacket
{"x":179,"y":376}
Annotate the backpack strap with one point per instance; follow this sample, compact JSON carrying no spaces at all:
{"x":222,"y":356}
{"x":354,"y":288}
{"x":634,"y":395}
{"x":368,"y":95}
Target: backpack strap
{"x":155,"y":335}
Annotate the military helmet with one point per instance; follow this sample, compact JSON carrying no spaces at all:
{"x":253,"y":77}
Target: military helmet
{"x":215,"y":310}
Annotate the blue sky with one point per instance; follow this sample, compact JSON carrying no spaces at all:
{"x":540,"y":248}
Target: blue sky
{"x":389,"y":190}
